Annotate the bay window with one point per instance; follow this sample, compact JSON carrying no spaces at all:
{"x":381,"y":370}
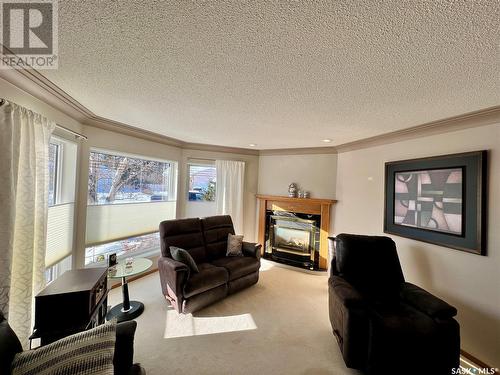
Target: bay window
{"x":61,"y":202}
{"x":128,"y":196}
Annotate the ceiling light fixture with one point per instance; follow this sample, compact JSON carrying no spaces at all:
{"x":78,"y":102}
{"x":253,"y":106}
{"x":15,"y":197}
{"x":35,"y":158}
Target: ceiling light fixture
{"x":252,"y":145}
{"x":327,"y":140}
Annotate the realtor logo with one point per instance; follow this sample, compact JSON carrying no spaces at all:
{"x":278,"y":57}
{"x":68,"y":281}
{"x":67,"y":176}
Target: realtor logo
{"x":28,"y":34}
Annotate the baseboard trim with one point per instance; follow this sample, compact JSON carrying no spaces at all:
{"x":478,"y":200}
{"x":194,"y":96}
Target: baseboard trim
{"x":476,"y":361}
{"x":133,"y":278}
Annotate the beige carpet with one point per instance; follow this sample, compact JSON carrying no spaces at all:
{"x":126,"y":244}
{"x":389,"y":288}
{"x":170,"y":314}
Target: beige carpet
{"x":279,"y":326}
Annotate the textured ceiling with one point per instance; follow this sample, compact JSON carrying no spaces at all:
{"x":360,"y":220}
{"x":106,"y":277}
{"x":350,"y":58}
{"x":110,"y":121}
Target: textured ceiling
{"x":279,"y":74}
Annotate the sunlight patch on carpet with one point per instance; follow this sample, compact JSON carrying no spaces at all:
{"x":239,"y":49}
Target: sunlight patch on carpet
{"x":185,"y":325}
{"x":265,"y":265}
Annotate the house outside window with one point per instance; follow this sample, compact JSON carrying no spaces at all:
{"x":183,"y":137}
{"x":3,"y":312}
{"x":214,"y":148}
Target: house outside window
{"x":202,"y":182}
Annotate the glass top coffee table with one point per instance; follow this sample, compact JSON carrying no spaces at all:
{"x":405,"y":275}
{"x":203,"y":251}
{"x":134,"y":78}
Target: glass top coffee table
{"x":127,"y":310}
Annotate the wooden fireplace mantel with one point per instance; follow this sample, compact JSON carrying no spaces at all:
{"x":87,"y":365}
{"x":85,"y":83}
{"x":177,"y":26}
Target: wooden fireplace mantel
{"x":312,"y":206}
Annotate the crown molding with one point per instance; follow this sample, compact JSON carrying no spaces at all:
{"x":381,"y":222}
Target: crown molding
{"x":119,"y":127}
{"x":487,"y":116}
{"x":216,"y":148}
{"x":37,"y":85}
{"x":299,"y":151}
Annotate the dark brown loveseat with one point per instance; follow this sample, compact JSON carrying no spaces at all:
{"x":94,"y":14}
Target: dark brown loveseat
{"x":206,"y":241}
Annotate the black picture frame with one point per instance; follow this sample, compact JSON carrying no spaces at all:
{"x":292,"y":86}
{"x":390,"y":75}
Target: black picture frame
{"x":474,"y":200}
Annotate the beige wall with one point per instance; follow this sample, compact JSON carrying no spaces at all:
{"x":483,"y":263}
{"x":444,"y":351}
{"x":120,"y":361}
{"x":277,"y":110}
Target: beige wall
{"x":249,"y":190}
{"x":316,"y":173}
{"x":470,"y":282}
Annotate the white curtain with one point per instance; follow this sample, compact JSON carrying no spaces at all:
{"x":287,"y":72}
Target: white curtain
{"x":229,"y":191}
{"x":24,"y":145}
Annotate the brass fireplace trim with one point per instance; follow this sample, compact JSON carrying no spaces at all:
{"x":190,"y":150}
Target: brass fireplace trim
{"x":298,"y":205}
{"x":311,"y":232}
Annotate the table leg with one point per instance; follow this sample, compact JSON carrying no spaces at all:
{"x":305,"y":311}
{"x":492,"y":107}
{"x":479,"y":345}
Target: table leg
{"x":126,"y":300}
{"x":127,"y":310}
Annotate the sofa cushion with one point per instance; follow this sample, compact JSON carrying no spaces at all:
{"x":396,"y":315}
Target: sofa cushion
{"x":402,"y":320}
{"x":397,"y":333}
{"x":85,"y":353}
{"x":183,"y":256}
{"x":183,"y":233}
{"x":9,"y":345}
{"x":238,"y":266}
{"x":208,"y":277}
{"x":215,"y":231}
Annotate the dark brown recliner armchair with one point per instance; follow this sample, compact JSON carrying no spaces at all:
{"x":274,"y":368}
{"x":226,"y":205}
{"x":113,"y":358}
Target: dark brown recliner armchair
{"x":206,"y":241}
{"x":383,"y":324}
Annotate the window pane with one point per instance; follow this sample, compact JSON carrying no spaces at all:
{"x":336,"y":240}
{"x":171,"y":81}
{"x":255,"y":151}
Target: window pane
{"x":53,"y":163}
{"x":133,"y":246}
{"x":53,"y":272}
{"x":202,"y":183}
{"x":123,"y":179}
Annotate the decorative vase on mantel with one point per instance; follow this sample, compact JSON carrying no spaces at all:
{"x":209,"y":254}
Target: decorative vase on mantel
{"x":292,"y":190}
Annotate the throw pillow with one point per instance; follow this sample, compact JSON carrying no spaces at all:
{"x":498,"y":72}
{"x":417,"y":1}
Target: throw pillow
{"x":234,"y":245}
{"x":86,"y":353}
{"x":183,"y":256}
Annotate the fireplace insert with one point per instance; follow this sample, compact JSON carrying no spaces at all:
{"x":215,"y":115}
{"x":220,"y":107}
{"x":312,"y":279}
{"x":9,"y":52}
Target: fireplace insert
{"x":293,"y":238}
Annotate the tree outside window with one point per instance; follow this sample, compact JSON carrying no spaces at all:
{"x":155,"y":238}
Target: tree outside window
{"x":123,"y":179}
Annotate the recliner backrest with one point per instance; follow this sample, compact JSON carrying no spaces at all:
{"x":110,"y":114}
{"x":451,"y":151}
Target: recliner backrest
{"x":369,"y":263}
{"x":215,"y":231}
{"x":183,"y":233}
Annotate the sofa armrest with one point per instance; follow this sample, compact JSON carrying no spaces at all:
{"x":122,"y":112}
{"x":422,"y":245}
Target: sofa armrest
{"x":173,"y":275}
{"x":349,"y":317}
{"x":346,"y":293}
{"x":251,"y":249}
{"x":123,"y":359}
{"x":426,"y":302}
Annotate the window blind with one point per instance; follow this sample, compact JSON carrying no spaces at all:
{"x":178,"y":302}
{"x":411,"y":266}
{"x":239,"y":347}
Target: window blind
{"x":59,"y":233}
{"x":112,"y":222}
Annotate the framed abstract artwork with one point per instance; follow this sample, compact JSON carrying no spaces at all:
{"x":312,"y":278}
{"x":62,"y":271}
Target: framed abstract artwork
{"x":440,"y":200}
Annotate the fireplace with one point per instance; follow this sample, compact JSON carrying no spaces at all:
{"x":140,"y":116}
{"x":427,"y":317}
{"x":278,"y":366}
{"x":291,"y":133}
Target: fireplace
{"x":293,"y":238}
{"x":293,"y":216}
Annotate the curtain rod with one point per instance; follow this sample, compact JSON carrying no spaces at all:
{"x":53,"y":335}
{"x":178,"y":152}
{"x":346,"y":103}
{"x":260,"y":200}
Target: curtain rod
{"x":77,"y":135}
